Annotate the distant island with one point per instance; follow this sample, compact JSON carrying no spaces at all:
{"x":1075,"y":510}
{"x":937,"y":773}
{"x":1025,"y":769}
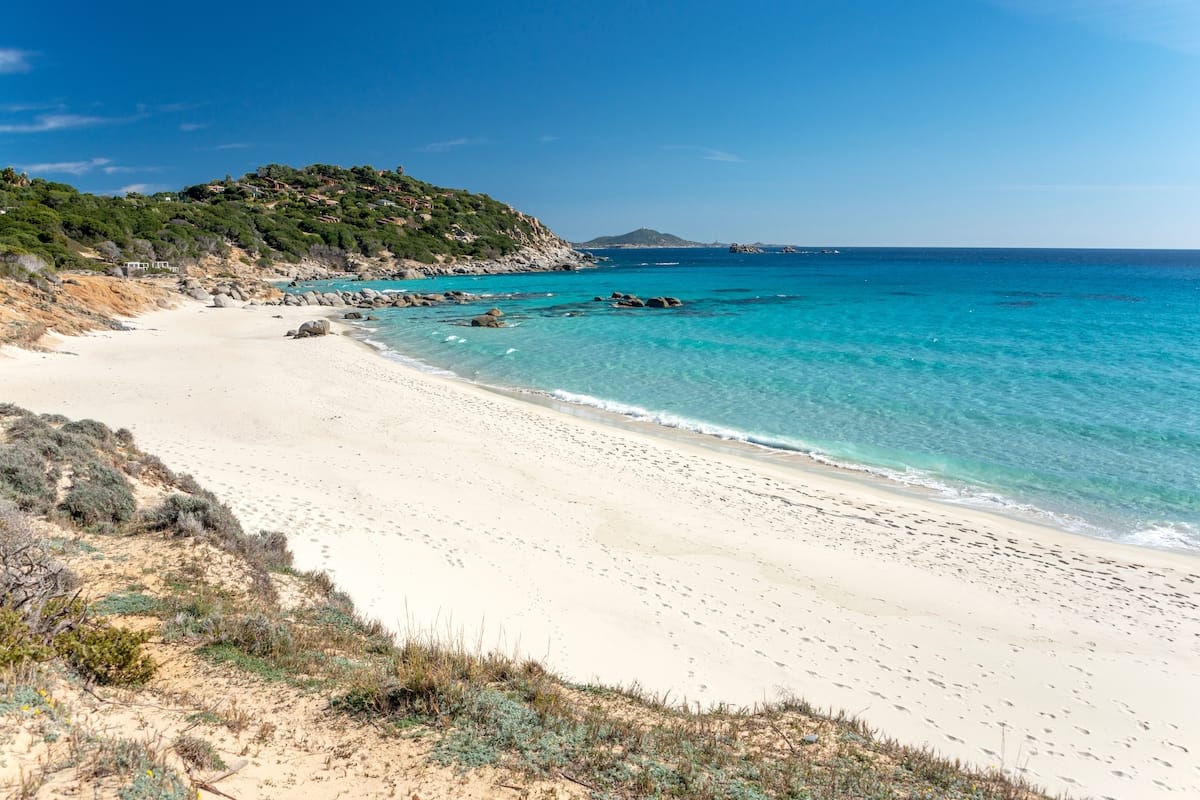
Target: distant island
{"x":643,"y":237}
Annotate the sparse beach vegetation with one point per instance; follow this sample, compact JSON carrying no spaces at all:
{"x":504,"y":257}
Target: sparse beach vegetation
{"x":232,"y":601}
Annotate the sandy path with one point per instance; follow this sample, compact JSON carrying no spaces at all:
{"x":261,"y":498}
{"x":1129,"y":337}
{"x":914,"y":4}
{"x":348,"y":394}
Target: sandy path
{"x":621,"y":556}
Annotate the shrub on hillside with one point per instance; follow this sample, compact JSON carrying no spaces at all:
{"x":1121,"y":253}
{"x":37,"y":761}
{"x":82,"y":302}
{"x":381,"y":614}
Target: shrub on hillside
{"x":18,"y":644}
{"x":99,"y":495}
{"x":27,"y":478}
{"x":97,"y":432}
{"x":33,"y":584}
{"x":193,"y":515}
{"x":106,"y":654}
{"x":268,"y":548}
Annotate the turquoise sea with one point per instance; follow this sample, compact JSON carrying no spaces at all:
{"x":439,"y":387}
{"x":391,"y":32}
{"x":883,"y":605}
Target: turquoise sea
{"x":1059,"y":383}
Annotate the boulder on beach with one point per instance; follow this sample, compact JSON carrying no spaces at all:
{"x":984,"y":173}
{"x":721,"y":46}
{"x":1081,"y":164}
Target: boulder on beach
{"x":224,"y":301}
{"x":316,"y":327}
{"x":352,"y":315}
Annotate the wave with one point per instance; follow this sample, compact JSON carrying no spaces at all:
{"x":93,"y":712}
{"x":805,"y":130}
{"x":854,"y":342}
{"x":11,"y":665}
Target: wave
{"x":669,"y":420}
{"x":1169,"y":536}
{"x":408,"y":361}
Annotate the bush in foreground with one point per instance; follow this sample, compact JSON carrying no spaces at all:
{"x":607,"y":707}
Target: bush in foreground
{"x":99,"y":495}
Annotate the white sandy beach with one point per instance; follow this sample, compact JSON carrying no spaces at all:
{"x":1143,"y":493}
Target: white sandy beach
{"x":620,"y":556}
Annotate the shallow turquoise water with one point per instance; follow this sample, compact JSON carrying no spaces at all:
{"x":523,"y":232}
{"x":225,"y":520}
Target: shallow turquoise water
{"x":1066,"y":383}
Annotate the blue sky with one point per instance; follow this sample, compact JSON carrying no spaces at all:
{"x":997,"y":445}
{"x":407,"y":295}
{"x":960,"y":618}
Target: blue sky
{"x":1052,"y":123}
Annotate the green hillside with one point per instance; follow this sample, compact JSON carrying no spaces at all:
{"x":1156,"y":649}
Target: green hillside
{"x":642,"y":237}
{"x":277,"y":213}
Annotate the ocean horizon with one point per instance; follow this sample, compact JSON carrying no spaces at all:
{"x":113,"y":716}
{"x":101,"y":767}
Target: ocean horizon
{"x":1055,"y":384}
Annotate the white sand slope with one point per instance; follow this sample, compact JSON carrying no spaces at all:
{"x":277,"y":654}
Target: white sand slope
{"x":623,"y":556}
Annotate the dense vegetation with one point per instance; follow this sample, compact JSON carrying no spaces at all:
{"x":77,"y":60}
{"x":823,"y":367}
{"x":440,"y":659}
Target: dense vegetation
{"x":275,"y":213}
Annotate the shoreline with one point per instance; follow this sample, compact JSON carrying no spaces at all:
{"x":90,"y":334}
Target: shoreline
{"x":623,"y":556}
{"x":924,"y":486}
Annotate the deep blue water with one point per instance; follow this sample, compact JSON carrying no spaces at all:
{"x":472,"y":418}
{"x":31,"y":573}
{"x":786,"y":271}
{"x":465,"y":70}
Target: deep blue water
{"x":1063,"y":382}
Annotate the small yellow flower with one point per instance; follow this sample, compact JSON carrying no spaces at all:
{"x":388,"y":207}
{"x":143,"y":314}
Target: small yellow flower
{"x":37,"y":711}
{"x":150,"y":772}
{"x":42,"y":692}
{"x":25,"y":707}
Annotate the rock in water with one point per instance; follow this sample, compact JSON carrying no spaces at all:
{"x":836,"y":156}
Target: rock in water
{"x":486,"y":321}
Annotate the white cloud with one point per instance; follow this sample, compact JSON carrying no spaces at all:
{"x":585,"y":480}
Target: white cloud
{"x":55,"y":122}
{"x":451,"y":144}
{"x":120,"y":170}
{"x":1173,"y":24}
{"x":67,"y":167}
{"x":232,"y":146}
{"x":548,"y":138}
{"x":12,"y":60}
{"x":21,"y":108}
{"x":188,"y":127}
{"x":706,"y":153}
{"x":142,"y":188}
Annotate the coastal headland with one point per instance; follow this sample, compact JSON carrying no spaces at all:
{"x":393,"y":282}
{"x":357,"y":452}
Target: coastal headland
{"x":625,"y":555}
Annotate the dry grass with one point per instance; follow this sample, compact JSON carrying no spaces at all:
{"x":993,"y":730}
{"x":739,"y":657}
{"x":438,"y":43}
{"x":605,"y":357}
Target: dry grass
{"x":474,"y":711}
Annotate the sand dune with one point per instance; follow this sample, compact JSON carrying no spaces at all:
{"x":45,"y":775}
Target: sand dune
{"x":624,"y":555}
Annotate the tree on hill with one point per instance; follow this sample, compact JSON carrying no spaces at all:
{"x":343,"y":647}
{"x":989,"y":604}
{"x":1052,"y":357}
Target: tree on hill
{"x":276,"y":212}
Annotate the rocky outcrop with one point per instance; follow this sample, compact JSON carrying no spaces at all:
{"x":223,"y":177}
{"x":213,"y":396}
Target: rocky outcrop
{"x":486,"y":321}
{"x":664,"y":302}
{"x":622,"y":300}
{"x":370,"y":298}
{"x":238,"y":290}
{"x":744,"y":248}
{"x":489,"y":320}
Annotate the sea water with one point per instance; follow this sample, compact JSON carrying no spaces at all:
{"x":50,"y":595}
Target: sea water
{"x":1061,"y":383}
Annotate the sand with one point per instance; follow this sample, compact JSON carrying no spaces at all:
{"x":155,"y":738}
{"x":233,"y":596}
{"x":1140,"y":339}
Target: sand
{"x":621,"y":555}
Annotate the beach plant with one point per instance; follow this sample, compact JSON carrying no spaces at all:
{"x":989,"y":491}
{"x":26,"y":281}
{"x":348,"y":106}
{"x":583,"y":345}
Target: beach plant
{"x":99,"y":495}
{"x":196,"y":752}
{"x":195,"y":514}
{"x":37,"y":593}
{"x":27,"y":478}
{"x":106,"y":654}
{"x":127,"y":604}
{"x":18,"y":644}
